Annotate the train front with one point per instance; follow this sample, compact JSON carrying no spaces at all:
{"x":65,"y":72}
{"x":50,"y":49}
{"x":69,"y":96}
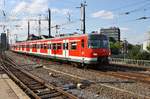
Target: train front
{"x":99,"y":50}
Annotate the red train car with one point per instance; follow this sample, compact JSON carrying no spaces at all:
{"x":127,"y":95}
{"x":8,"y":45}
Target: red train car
{"x":82,"y":49}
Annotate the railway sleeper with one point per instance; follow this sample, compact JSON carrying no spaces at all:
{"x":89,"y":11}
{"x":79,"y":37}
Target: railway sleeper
{"x":37,"y":87}
{"x":27,"y":82}
{"x":33,"y":82}
{"x":53,"y":95}
{"x":46,"y":92}
{"x":34,"y":85}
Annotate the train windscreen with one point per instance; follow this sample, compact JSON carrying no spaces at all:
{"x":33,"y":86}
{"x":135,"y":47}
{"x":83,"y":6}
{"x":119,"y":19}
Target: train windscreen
{"x":98,"y":41}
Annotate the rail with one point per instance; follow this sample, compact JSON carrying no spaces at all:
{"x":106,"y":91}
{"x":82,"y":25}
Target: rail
{"x":35,"y":87}
{"x":130,"y":62}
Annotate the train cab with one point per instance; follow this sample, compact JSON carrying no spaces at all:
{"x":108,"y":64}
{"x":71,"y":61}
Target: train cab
{"x":98,"y":48}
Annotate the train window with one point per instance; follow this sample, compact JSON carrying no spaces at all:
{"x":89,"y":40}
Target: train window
{"x":45,"y":46}
{"x":27,"y":46}
{"x":82,"y":43}
{"x":64,"y":46}
{"x":58,"y":45}
{"x":54,"y":46}
{"x":22,"y":46}
{"x":73,"y":45}
{"x":49,"y":46}
{"x":37,"y":46}
{"x":33,"y":46}
{"x":41,"y":46}
{"x":30,"y":46}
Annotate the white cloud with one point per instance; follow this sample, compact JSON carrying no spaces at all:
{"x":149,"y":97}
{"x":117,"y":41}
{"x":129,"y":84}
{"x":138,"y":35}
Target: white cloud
{"x":36,"y":6}
{"x":103,"y":14}
{"x":22,"y":5}
{"x":27,"y":10}
{"x":61,"y":11}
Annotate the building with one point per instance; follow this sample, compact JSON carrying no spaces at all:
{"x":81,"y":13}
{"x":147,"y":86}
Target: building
{"x":113,"y":32}
{"x":146,"y":43}
{"x":4,"y":43}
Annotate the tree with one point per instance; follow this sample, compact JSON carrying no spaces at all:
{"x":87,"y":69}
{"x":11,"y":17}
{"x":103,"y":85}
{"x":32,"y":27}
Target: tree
{"x":148,"y":47}
{"x":115,"y":47}
{"x":133,"y":53}
{"x":111,"y":39}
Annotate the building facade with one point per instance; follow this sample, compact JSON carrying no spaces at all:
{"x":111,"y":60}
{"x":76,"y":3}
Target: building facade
{"x":146,"y":43}
{"x":113,"y":32}
{"x":4,"y":43}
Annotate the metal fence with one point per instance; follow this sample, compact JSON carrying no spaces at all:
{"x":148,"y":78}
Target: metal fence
{"x":130,"y":61}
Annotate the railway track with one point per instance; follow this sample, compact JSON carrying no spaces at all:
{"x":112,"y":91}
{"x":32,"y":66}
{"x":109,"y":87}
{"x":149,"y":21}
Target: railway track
{"x":110,"y":73}
{"x":35,"y":87}
{"x":123,"y":72}
{"x":131,"y":76}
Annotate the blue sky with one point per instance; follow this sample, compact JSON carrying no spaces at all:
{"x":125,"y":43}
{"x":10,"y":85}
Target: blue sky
{"x":99,"y":14}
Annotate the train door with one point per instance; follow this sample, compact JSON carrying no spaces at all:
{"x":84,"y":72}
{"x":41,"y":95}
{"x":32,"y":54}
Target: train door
{"x":49,"y":48}
{"x":30,"y":47}
{"x":82,"y":50}
{"x":65,"y":48}
{"x":38,"y":48}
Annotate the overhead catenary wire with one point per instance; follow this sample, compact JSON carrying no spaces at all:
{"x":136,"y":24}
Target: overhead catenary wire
{"x":130,"y":5}
{"x":141,"y":8}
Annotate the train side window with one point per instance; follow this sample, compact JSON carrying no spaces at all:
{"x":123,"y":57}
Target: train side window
{"x":73,"y":45}
{"x":35,"y":46}
{"x":58,"y":45}
{"x":82,"y":43}
{"x":45,"y":46}
{"x":32,"y":46}
{"x":41,"y":46}
{"x":54,"y":46}
{"x":65,"y":46}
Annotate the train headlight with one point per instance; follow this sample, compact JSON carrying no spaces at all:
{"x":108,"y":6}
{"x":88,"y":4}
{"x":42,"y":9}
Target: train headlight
{"x":95,"y":54}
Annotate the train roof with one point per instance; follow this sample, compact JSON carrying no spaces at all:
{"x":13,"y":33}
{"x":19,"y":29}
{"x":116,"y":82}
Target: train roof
{"x":60,"y":37}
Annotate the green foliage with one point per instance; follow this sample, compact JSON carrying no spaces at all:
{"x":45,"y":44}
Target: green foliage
{"x":111,"y":39}
{"x":144,"y":55}
{"x":136,"y":53}
{"x":148,"y":48}
{"x":115,"y":47}
{"x":133,"y":52}
{"x":130,"y":46}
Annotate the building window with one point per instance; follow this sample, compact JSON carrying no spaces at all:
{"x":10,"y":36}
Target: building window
{"x":73,"y":45}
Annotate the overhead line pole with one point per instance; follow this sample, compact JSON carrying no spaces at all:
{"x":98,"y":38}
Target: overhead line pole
{"x":28,"y":29}
{"x":83,"y":24}
{"x":49,"y":22}
{"x":39,"y":25}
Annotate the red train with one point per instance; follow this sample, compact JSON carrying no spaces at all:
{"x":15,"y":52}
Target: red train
{"x":80,"y":49}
